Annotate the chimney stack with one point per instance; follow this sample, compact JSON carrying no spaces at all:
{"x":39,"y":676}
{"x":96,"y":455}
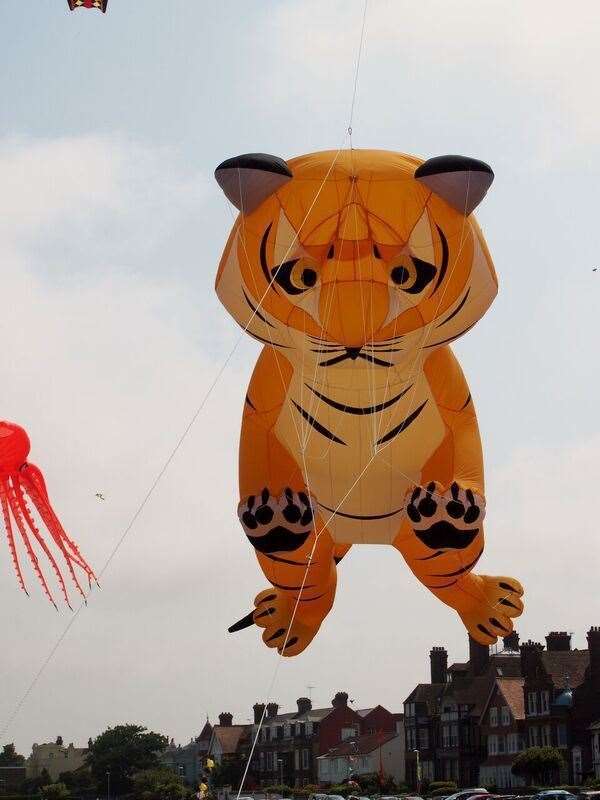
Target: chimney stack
{"x":340,"y":700}
{"x":558,"y":641}
{"x":593,"y":638}
{"x":272,"y":709}
{"x":529,"y":657}
{"x":225,"y":719}
{"x":259,"y":710}
{"x":304,"y":705}
{"x":439,"y":664}
{"x":479,"y":657}
{"x":511,"y":642}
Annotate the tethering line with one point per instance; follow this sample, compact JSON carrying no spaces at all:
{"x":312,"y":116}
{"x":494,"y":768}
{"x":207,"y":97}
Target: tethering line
{"x":303,"y":452}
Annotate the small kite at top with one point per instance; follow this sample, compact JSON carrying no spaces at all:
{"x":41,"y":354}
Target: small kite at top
{"x":101,"y":4}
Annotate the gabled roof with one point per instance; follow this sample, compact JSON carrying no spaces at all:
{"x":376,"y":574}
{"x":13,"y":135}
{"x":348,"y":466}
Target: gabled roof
{"x":206,"y":732}
{"x":428,"y":693}
{"x":230,"y":736}
{"x":314,"y":715}
{"x":560,"y":664}
{"x":472,"y":692}
{"x":361,"y":746}
{"x":511,"y":690}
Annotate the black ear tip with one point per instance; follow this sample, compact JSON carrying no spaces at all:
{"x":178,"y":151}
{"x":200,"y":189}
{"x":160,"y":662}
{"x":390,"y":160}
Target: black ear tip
{"x":441,"y":164}
{"x":258,"y":161}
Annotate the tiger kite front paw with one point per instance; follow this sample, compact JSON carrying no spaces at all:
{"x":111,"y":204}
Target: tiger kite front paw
{"x":445,"y":519}
{"x":283,"y":629}
{"x":496,"y":601}
{"x":277,"y":524}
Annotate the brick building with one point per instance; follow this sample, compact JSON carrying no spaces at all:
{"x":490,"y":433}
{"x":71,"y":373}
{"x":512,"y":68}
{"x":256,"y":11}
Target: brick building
{"x":189,"y":760}
{"x":290,"y":743}
{"x":473,"y":718}
{"x":371,"y":753}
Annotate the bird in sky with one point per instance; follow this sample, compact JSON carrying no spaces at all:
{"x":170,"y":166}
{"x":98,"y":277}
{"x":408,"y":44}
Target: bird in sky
{"x":100,"y":496}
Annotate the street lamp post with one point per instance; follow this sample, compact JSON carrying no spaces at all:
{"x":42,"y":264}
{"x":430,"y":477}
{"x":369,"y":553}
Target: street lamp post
{"x":417,"y":754}
{"x":108,"y":785}
{"x":280,"y":762}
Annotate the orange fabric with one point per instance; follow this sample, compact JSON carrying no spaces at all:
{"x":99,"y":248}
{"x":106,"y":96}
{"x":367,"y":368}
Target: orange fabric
{"x":357,"y":278}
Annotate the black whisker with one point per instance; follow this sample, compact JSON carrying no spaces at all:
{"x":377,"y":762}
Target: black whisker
{"x":331,"y":361}
{"x":380,"y":362}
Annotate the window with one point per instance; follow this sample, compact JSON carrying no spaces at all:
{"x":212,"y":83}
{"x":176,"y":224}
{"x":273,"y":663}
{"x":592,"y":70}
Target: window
{"x":532,"y":703}
{"x":534,"y":736}
{"x":454,"y":736}
{"x":492,"y":745}
{"x":287,"y":730}
{"x":545,"y":697}
{"x":512,"y":743}
{"x":546,"y":736}
{"x":505,"y":715}
{"x":446,"y":736}
{"x":296,"y":760}
{"x":577,"y":771}
{"x":411,"y":739}
{"x":561,"y":735}
{"x":501,"y":745}
{"x":423,"y":739}
{"x":261,"y":761}
{"x":279,"y":731}
{"x":309,"y":728}
{"x":493,"y":717}
{"x":269,"y":762}
{"x":348,"y":733}
{"x":305,"y":759}
{"x":267,"y":734}
{"x":427,"y":771}
{"x":409,"y":709}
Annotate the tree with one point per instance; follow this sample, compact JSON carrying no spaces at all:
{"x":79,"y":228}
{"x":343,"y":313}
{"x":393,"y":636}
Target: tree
{"x":122,"y":751}
{"x":539,"y":765}
{"x":9,"y":757}
{"x":229,"y":772}
{"x":55,"y":791}
{"x":159,"y":784}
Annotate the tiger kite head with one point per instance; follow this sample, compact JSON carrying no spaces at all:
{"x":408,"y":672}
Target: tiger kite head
{"x":360,"y":256}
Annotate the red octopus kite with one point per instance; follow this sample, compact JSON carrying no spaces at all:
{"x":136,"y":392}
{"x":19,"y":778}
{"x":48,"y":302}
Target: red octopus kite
{"x":22,"y":486}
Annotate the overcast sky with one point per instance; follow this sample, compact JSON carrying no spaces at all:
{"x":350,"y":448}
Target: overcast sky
{"x":111,"y":228}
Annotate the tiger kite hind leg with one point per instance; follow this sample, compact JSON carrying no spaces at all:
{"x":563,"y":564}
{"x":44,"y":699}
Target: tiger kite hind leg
{"x":294,"y":549}
{"x":442,"y":537}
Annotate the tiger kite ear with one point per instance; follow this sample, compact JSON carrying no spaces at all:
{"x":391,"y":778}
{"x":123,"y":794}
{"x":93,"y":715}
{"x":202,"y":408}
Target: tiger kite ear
{"x":461,"y":181}
{"x":249,"y":179}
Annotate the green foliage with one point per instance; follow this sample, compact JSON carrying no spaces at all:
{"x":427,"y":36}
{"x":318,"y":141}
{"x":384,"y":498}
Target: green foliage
{"x":159,"y":784}
{"x":55,"y":791}
{"x":229,"y":772}
{"x":122,"y":751}
{"x":592,"y":783}
{"x":10,"y":758}
{"x":342,"y":789}
{"x":281,"y":789}
{"x":539,"y":764}
{"x":439,"y":788}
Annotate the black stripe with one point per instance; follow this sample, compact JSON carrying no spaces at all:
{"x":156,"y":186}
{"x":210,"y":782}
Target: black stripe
{"x":456,"y":310}
{"x":485,"y":630}
{"x":458,"y":571}
{"x":310,"y":599}
{"x":256,"y":311}
{"x":250,"y":403}
{"x":358,"y":516}
{"x":435,"y":555}
{"x":444,"y":265}
{"x":403,"y":425}
{"x":443,"y":586}
{"x":317,"y":425}
{"x":451,"y":339}
{"x":466,"y":403}
{"x":357,"y":409}
{"x":263,"y":258}
{"x":379,"y":361}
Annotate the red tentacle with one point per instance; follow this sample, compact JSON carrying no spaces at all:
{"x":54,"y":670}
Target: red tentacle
{"x":10,"y":535}
{"x":14,"y":507}
{"x":33,"y":483}
{"x":32,"y":526}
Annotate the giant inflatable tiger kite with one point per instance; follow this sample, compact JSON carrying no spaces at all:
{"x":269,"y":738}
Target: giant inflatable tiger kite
{"x":356,"y":271}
